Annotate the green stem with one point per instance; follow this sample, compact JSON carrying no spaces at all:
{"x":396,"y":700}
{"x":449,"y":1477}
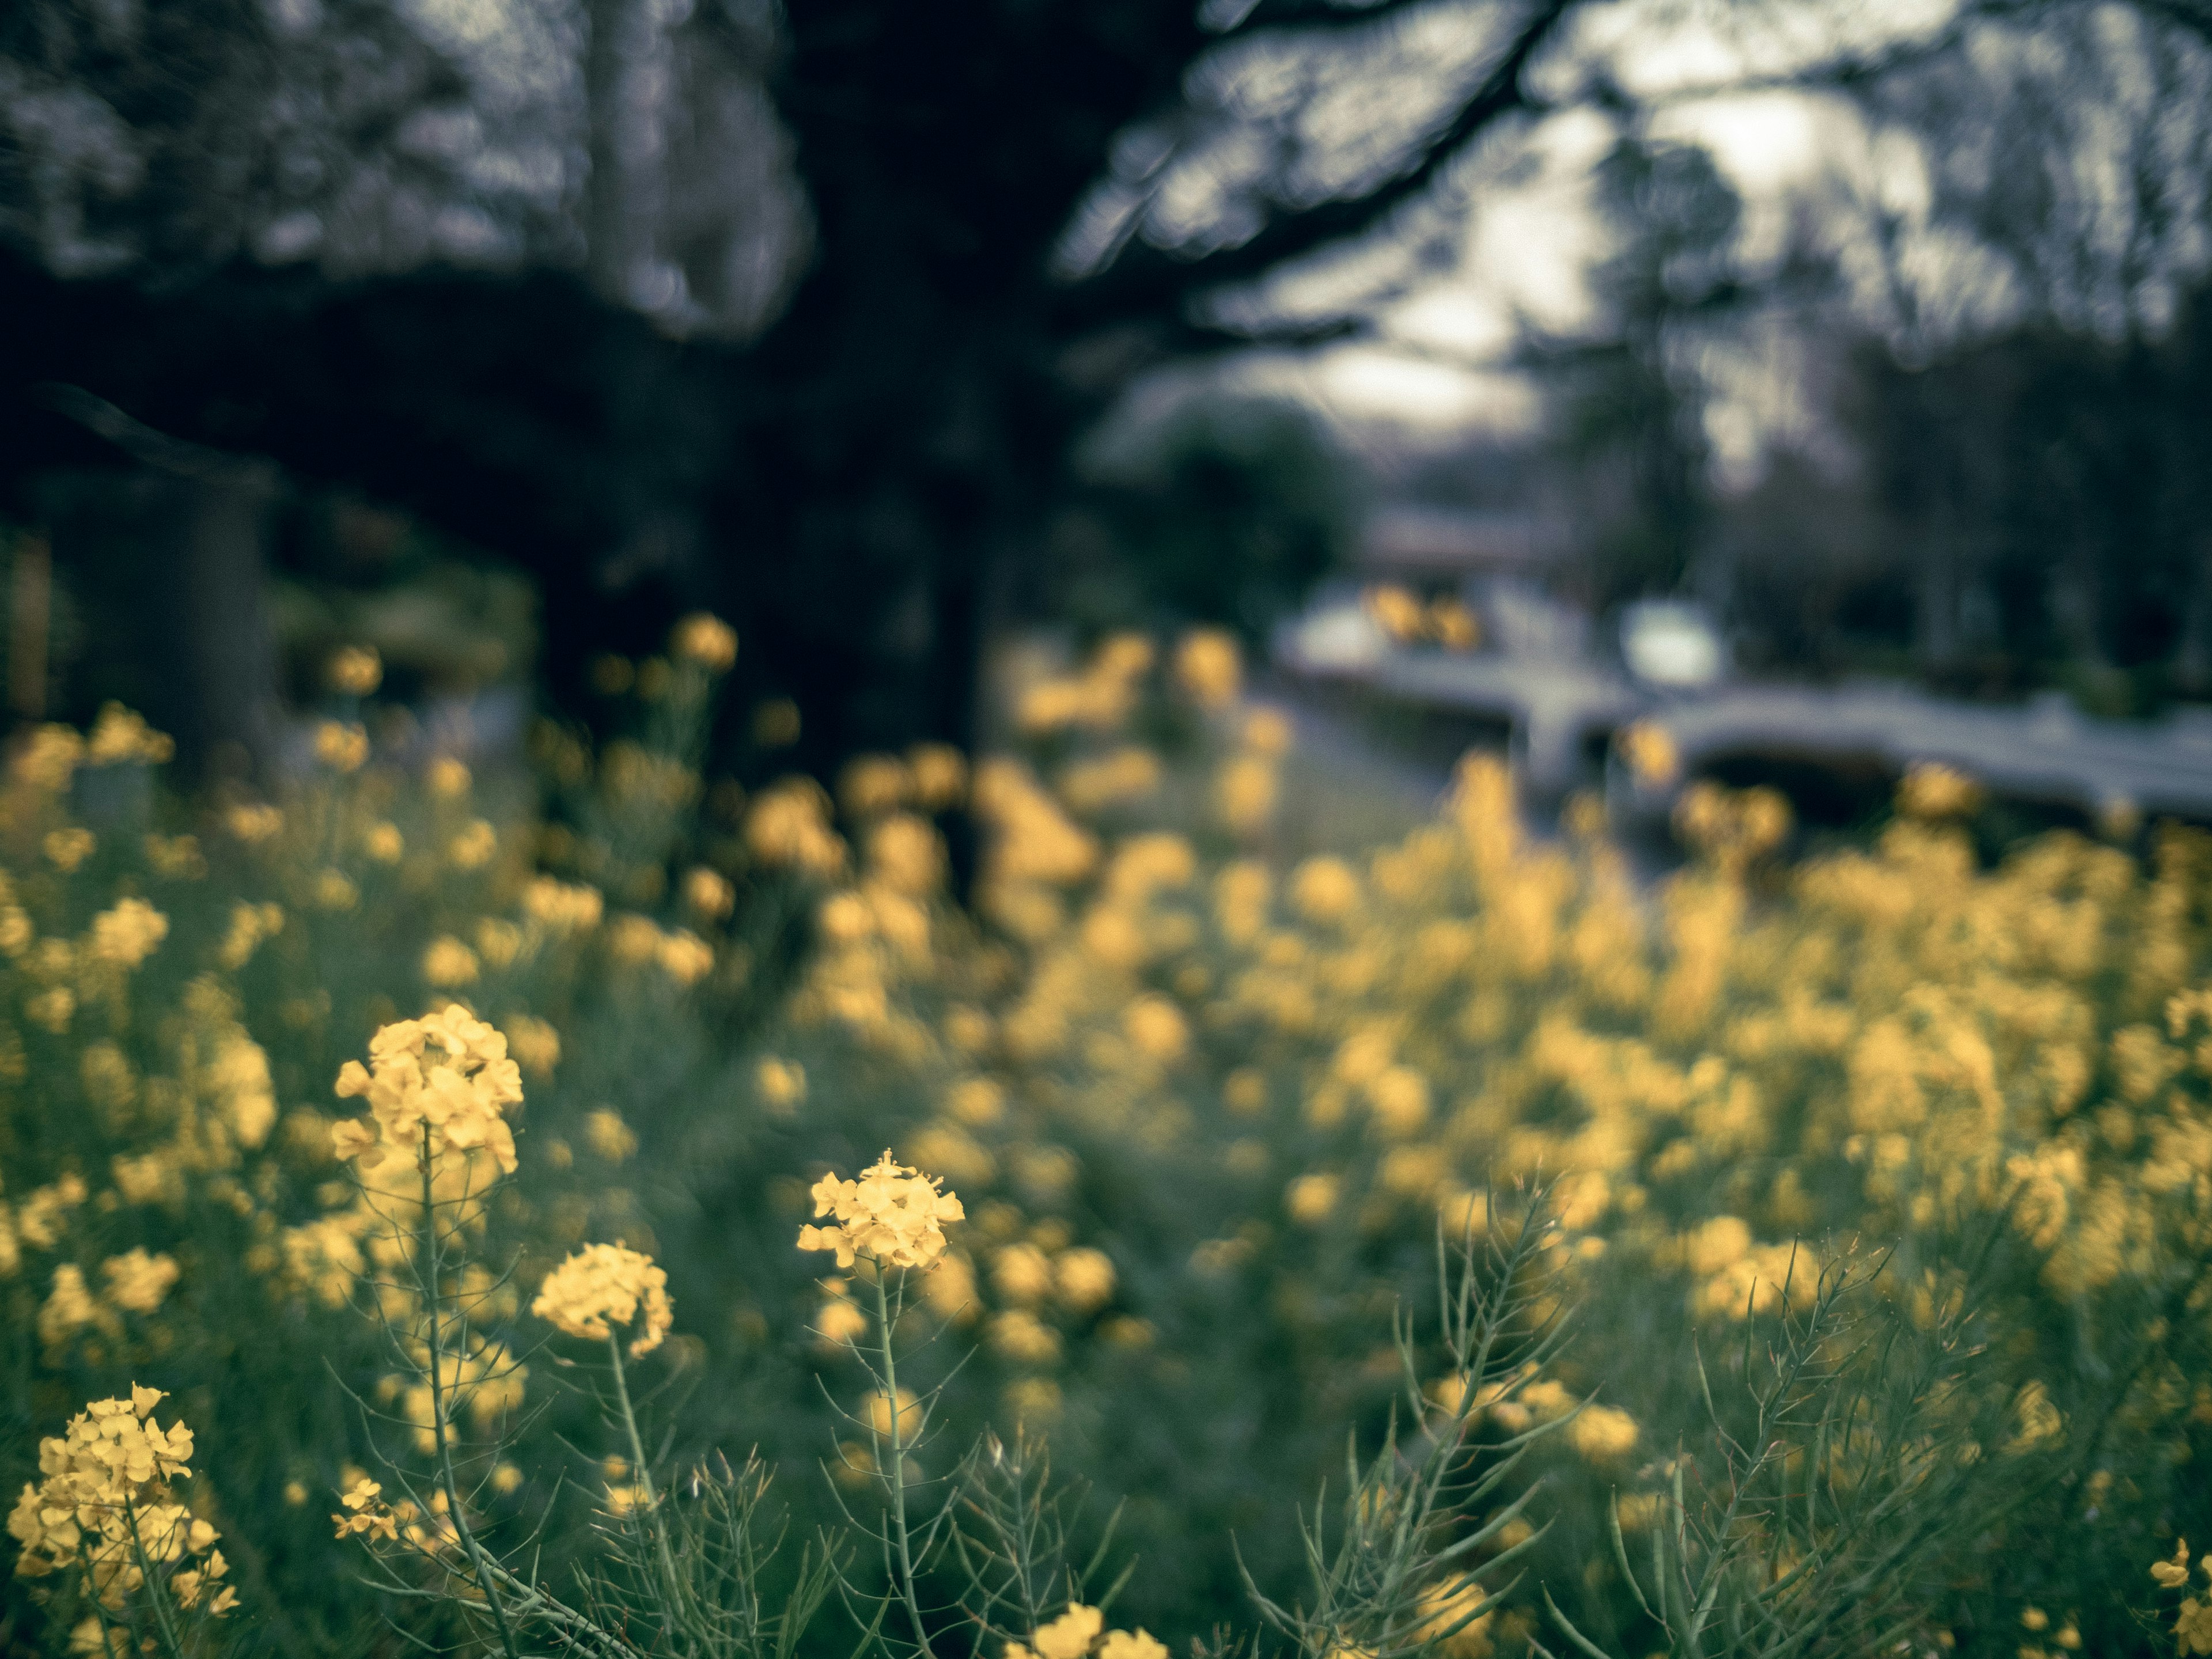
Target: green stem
{"x":425,"y":1270}
{"x":649,"y":1502}
{"x":92,"y":1595}
{"x":156,"y":1596}
{"x":895,"y":1481}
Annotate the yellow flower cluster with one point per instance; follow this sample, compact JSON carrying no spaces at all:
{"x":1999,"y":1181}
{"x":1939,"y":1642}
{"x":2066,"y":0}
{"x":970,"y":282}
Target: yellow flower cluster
{"x":439,"y":1081}
{"x":2192,"y":1623}
{"x":1081,"y":1631}
{"x":128,"y":934}
{"x":891,"y":1214}
{"x":788,"y":828}
{"x":103,"y":1505}
{"x":706,"y":641}
{"x":365,"y":1514}
{"x":355,"y":670}
{"x":601,"y":1289}
{"x":121,"y":736}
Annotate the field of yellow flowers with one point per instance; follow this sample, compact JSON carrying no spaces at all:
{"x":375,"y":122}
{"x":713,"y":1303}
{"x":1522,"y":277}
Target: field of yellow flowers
{"x":606,"y":1213}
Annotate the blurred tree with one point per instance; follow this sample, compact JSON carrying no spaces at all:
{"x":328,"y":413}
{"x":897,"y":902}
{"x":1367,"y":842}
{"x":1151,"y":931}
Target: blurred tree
{"x":2055,"y":486}
{"x":1634,"y":412}
{"x":1013,"y":209}
{"x":1227,"y":510}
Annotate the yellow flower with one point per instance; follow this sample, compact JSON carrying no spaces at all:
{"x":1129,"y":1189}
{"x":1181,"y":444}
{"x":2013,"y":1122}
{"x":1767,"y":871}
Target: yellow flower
{"x":787,"y":827}
{"x":940,"y":775}
{"x":128,"y":934}
{"x":1932,"y":790}
{"x":1244,"y":792}
{"x":1601,"y":1433}
{"x":138,"y":1281}
{"x":1069,"y":1635}
{"x":1653,"y":760}
{"x":371,"y":1517}
{"x":605,"y":1134}
{"x":254,"y":822}
{"x":355,"y":670}
{"x":447,"y":963}
{"x":709,"y":893}
{"x":446,"y":1076}
{"x":335,"y":890}
{"x":1396,"y":611}
{"x":839,"y":1322}
{"x":1157,"y":1030}
{"x":66,"y":848}
{"x":1021,"y":1272}
{"x":909,"y":1416}
{"x":891,"y":1214}
{"x":562,"y":908}
{"x":475,"y":846}
{"x":2193,"y":1626}
{"x":1209,"y":668}
{"x":1084,"y":1279}
{"x":684,"y":956}
{"x":2172,"y":1574}
{"x":705,"y":641}
{"x":104,"y":1505}
{"x":780,"y":1084}
{"x":46,"y":761}
{"x":535,"y":1045}
{"x":1126,"y":1644}
{"x":1023,"y":1338}
{"x":340,"y":747}
{"x":446,"y":777}
{"x":1325,"y":888}
{"x":121,"y":735}
{"x":70,"y":1307}
{"x":602,"y":1288}
{"x":384,"y":843}
{"x":1311,"y":1199}
{"x":499,"y":941}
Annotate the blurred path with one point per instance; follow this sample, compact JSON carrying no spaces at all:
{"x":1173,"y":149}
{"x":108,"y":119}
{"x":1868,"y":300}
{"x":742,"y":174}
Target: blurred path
{"x":1562,"y":716}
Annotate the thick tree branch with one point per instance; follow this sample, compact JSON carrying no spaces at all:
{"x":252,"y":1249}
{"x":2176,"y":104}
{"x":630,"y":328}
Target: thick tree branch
{"x":1144,"y":278}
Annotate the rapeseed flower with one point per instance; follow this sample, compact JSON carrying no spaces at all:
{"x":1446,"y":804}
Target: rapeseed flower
{"x":449,"y":964}
{"x":126,"y":935}
{"x":121,"y":735}
{"x":2193,"y":1626}
{"x":1208,"y":667}
{"x":446,"y":1076}
{"x":706,"y":641}
{"x":893,"y":1215}
{"x":355,"y":671}
{"x":2172,"y":1574}
{"x":369,"y":1515}
{"x":69,"y":847}
{"x":340,"y":747}
{"x":447,"y":777}
{"x":104,"y":1502}
{"x":780,"y":1084}
{"x":1068,"y":1636}
{"x":603,"y":1288}
{"x":137,"y":1281}
{"x":1603,"y":1433}
{"x":475,"y":846}
{"x":1084,"y":1279}
{"x":708,"y":892}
